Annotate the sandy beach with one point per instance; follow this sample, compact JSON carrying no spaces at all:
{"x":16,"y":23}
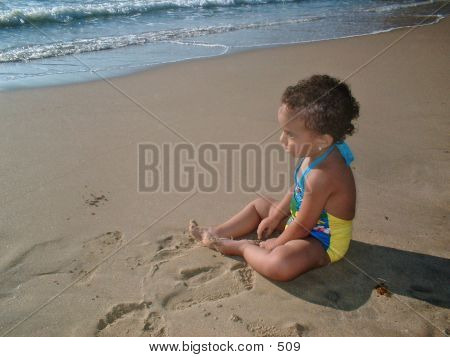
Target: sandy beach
{"x":83,"y":253}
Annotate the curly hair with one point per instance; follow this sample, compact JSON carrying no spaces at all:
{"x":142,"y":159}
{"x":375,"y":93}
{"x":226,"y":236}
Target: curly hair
{"x":325,"y":103}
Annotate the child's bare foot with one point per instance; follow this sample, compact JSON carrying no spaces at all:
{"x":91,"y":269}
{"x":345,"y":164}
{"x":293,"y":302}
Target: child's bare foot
{"x":208,"y":239}
{"x":203,"y":235}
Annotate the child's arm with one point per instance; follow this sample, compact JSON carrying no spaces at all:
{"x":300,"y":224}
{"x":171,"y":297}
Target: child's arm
{"x":268,"y":224}
{"x":282,"y":209}
{"x":314,"y":200}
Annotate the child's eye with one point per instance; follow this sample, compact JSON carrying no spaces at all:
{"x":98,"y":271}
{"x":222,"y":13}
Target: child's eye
{"x":290,"y":135}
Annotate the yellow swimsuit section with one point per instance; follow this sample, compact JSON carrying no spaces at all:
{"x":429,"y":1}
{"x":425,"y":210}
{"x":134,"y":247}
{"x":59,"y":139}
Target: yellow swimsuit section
{"x":333,"y":233}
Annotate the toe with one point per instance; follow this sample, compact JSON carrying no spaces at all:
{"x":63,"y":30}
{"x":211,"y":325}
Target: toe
{"x":194,"y":230}
{"x":192,"y":224}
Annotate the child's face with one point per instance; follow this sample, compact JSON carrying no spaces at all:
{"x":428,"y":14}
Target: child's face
{"x":295,"y":137}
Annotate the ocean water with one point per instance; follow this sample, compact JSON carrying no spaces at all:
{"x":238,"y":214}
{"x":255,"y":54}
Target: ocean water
{"x":46,"y":42}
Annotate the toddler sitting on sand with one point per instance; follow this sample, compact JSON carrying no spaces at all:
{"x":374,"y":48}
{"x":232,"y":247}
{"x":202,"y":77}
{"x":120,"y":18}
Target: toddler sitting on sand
{"x":315,"y":217}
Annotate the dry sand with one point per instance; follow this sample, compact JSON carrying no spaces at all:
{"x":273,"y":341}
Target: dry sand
{"x":69,"y":197}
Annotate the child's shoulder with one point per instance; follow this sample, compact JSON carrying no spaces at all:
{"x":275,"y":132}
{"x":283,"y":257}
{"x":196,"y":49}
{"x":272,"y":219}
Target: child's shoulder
{"x":333,"y":173}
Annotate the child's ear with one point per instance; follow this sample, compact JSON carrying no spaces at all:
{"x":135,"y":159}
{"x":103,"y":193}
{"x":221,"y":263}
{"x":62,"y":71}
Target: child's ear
{"x":325,"y":140}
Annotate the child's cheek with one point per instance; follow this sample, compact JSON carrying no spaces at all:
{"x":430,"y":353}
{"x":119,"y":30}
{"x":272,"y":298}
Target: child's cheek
{"x":303,"y":150}
{"x":294,"y":150}
{"x":298,"y":152}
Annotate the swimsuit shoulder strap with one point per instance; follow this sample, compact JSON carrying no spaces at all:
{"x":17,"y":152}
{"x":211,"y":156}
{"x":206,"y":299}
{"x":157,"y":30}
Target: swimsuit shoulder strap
{"x":343,"y":148}
{"x":316,"y":162}
{"x":297,"y":169}
{"x":345,"y":151}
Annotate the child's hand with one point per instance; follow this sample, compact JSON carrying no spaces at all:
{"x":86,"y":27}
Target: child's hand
{"x":266,"y":227}
{"x":269,"y":244}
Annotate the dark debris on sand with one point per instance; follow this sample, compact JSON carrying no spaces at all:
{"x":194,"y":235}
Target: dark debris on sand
{"x":95,"y":200}
{"x":382,"y":290}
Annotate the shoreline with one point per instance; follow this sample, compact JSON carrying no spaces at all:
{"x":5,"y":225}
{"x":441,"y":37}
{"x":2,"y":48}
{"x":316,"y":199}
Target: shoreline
{"x":226,"y":53}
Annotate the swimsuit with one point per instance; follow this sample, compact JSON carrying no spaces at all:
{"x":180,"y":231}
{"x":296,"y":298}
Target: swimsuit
{"x":333,"y":233}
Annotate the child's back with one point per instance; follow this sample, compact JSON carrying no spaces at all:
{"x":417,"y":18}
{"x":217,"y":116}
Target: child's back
{"x":342,"y":200}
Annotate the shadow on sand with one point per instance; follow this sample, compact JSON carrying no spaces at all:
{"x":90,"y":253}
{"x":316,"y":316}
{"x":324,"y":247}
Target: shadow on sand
{"x":343,"y":286}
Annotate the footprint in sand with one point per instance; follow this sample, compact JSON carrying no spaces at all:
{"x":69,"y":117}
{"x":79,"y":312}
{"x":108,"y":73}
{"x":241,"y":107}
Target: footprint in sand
{"x":261,"y":329}
{"x":58,"y":260}
{"x":132,"y":319}
{"x":165,"y":242}
{"x":171,"y":246}
{"x":192,"y":276}
{"x":200,"y":275}
{"x":167,"y":247}
{"x":154,"y":326}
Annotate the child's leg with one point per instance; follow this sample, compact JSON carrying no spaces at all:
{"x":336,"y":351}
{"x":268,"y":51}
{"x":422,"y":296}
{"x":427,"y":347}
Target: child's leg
{"x":287,"y":261}
{"x":283,"y":263}
{"x":247,"y":220}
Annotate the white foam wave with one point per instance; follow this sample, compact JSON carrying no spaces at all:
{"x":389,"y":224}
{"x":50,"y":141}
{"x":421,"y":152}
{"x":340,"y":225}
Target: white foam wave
{"x":400,"y":6}
{"x":16,"y":16}
{"x":38,"y":51}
